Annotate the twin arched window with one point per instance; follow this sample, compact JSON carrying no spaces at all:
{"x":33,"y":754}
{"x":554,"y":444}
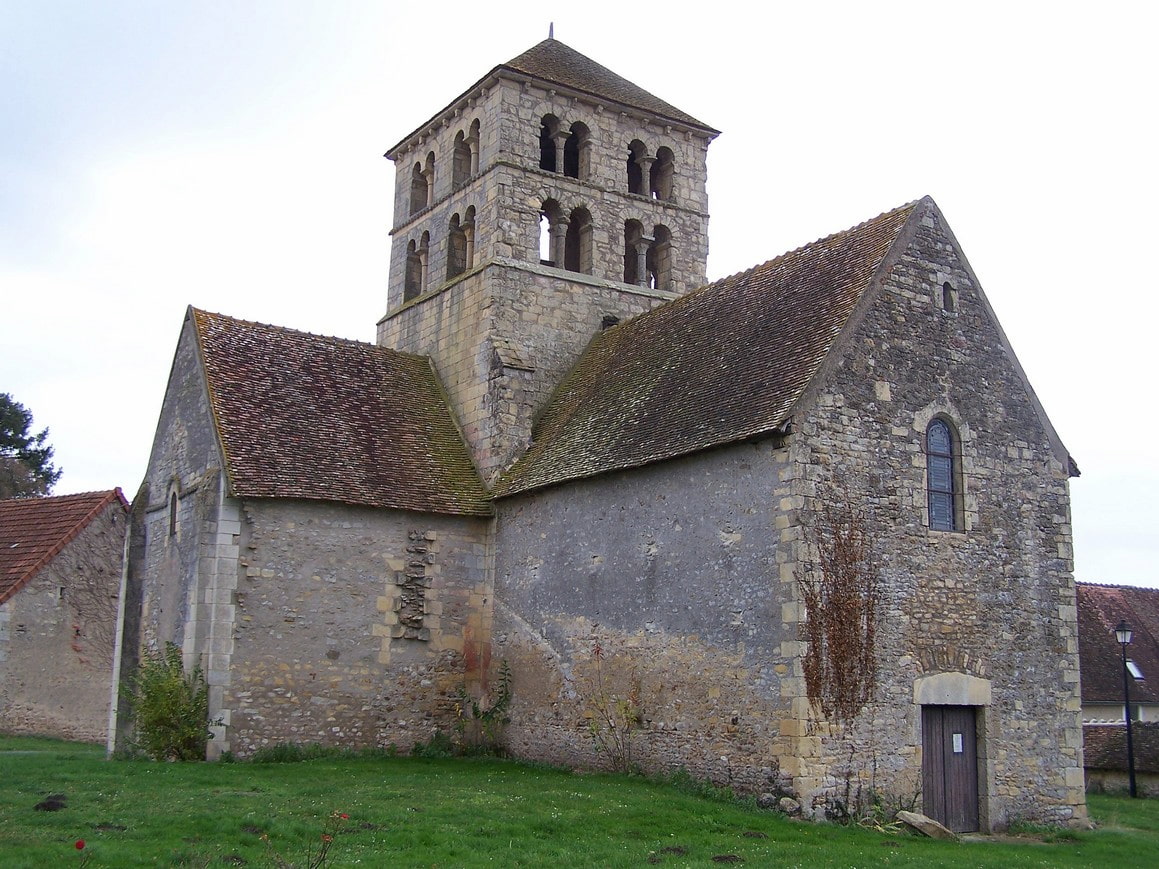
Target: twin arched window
{"x":565,"y":242}
{"x":461,"y":243}
{"x":564,"y":151}
{"x":647,"y":259}
{"x":648,"y":175}
{"x":422,"y":182}
{"x":943,"y":477}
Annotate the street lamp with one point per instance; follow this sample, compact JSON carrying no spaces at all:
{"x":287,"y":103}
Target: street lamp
{"x":1123,"y":635}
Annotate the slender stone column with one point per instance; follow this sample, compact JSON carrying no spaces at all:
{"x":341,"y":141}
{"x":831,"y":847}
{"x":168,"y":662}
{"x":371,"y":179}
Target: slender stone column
{"x":560,"y":141}
{"x":642,"y":260}
{"x":558,"y":242}
{"x":645,"y":163}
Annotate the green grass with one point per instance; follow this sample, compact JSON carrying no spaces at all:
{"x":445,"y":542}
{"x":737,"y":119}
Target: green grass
{"x":420,"y":812}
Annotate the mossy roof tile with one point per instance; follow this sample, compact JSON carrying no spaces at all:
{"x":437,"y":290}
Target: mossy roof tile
{"x":724,"y":363}
{"x":319,"y":418}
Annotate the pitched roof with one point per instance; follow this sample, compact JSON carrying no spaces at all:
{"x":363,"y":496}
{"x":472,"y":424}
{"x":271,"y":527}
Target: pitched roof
{"x":1105,"y":746}
{"x":1100,"y":608}
{"x":306,"y":416}
{"x":33,"y":531}
{"x":721,"y":364}
{"x":552,"y":61}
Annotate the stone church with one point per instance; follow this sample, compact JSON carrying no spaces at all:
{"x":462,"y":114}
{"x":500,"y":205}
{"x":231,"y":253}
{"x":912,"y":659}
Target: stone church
{"x":804,"y":530}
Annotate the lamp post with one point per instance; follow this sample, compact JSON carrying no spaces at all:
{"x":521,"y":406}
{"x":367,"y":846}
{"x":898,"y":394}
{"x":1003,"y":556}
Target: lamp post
{"x":1123,"y":635}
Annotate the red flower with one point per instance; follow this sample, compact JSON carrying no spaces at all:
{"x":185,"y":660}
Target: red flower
{"x":80,"y":844}
{"x":326,"y":837}
{"x":344,"y":816}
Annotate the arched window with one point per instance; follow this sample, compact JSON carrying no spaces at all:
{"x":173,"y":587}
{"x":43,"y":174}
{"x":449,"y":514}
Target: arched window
{"x":413,"y":285}
{"x":576,"y":156}
{"x":552,"y":234}
{"x":456,"y":248}
{"x":429,"y":172}
{"x":548,"y":128}
{"x":943,"y":477}
{"x":416,"y":268}
{"x":660,"y":259}
{"x":661,"y":175}
{"x":577,"y":256}
{"x":636,"y":157}
{"x":635,"y":252}
{"x":469,"y":236}
{"x":461,"y":164}
{"x":473,"y":144}
{"x":418,"y":189}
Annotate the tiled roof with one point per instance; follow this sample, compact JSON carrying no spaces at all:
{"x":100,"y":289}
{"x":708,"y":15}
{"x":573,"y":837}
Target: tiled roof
{"x":722,"y":364}
{"x":33,"y":531}
{"x":306,"y":416}
{"x":1105,"y":746}
{"x":552,"y":61}
{"x":1100,"y":607}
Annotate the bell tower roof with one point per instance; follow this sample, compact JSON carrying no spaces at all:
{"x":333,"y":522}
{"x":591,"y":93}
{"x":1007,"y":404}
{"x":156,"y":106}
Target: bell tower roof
{"x":553,"y":63}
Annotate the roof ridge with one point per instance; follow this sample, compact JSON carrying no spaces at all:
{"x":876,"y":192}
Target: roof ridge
{"x":674,"y":304}
{"x":1091,"y":584}
{"x":833,"y":235}
{"x":108,"y":496}
{"x":287,"y":330}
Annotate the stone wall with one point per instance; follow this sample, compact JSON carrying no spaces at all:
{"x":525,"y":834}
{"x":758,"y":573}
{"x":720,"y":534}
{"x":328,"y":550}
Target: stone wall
{"x":502,"y":339}
{"x":672,"y":571}
{"x":995,"y":600}
{"x":184,"y":472}
{"x":182,"y":551}
{"x":352,"y":626}
{"x":56,"y":638}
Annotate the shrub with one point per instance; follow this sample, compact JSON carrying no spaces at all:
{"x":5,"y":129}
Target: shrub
{"x":170,"y":707}
{"x":480,"y":724}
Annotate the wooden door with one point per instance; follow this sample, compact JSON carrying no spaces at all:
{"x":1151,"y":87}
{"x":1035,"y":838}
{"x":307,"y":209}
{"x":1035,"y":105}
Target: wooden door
{"x":950,"y":766}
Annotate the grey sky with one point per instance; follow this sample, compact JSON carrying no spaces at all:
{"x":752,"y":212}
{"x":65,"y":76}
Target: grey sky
{"x":228,"y":155}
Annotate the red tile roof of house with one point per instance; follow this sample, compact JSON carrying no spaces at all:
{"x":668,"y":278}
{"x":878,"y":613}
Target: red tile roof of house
{"x":1105,"y":746}
{"x":33,"y":531}
{"x":722,"y":364}
{"x":318,"y":418}
{"x":1100,"y":608}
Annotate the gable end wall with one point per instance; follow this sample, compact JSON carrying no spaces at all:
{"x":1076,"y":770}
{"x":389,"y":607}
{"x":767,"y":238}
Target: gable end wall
{"x":995,"y":601}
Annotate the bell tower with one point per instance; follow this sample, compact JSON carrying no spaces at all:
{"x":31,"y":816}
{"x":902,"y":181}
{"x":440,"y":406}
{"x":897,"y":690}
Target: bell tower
{"x":551,"y":199}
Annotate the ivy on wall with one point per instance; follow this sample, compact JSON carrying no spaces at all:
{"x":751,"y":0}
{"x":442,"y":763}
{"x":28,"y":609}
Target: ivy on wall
{"x":839,"y":587}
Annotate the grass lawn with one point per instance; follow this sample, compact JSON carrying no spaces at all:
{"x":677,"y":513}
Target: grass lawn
{"x":419,"y":812}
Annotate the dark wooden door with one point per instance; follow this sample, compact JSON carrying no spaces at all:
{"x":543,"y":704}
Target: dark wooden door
{"x":950,"y":766}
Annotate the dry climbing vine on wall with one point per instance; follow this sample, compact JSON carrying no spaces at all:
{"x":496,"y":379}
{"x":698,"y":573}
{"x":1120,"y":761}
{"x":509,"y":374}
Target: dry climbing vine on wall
{"x":840,"y":592}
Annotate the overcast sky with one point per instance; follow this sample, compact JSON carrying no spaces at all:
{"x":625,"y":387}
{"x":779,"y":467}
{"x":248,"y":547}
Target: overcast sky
{"x":228,"y":155}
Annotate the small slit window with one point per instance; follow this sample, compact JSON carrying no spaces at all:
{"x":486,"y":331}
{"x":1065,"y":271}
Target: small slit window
{"x":949,"y":298}
{"x":172,"y":513}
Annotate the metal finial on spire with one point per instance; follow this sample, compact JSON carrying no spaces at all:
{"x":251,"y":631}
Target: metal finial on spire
{"x":551,"y":30}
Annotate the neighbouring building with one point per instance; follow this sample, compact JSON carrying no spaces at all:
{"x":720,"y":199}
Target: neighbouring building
{"x":569,"y":453}
{"x":60,"y":574}
{"x":1101,"y":608}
